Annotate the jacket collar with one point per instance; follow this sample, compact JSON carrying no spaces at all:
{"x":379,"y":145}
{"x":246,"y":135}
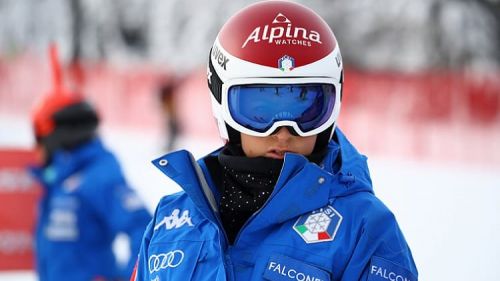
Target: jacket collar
{"x":302,"y":186}
{"x":66,"y":162}
{"x":351,"y":168}
{"x":181,"y":167}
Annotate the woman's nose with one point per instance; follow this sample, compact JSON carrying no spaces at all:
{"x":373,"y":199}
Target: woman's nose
{"x":283,"y":134}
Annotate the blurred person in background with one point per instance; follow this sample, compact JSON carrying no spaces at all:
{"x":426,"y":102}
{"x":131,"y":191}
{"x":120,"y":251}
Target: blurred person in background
{"x":166,"y":93}
{"x":288,"y":197}
{"x":86,"y":200}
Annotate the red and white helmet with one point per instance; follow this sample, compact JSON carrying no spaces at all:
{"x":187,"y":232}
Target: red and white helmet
{"x":274,"y":43}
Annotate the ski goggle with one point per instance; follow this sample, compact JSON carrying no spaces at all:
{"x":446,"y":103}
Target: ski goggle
{"x":309,"y":107}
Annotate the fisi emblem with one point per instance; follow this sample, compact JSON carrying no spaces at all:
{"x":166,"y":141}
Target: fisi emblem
{"x":286,"y":63}
{"x":319,"y":226}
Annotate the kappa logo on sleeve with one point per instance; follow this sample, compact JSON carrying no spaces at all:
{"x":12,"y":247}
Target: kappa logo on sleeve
{"x":283,"y":268}
{"x":384,"y":270}
{"x":174,"y":221}
{"x":319,"y":226}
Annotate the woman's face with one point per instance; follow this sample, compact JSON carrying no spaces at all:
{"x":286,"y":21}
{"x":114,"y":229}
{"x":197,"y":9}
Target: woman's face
{"x":275,"y":145}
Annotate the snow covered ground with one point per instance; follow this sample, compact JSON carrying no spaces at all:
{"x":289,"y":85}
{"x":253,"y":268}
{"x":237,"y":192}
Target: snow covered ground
{"x":449,"y":213}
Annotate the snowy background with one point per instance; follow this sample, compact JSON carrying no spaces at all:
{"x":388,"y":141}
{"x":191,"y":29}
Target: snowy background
{"x":448,"y":213}
{"x":440,"y":176}
{"x":401,"y":35}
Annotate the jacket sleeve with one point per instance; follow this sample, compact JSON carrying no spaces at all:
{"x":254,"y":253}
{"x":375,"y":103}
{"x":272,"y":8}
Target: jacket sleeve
{"x":118,"y":206}
{"x":381,"y":253}
{"x":125,"y":213}
{"x":141,"y":268}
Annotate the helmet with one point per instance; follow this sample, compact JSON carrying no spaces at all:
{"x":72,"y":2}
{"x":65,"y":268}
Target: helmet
{"x":274,"y":64}
{"x":62,"y":119}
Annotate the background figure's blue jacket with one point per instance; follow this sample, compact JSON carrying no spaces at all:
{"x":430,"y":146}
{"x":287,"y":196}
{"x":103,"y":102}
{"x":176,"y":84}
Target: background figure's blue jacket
{"x":316,"y":225}
{"x":86,"y":202}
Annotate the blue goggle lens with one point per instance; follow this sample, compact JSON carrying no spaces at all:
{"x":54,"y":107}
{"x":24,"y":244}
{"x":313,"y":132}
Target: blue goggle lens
{"x":257,"y":107}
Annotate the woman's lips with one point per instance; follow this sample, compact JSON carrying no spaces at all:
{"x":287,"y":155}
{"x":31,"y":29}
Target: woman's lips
{"x":276,"y":153}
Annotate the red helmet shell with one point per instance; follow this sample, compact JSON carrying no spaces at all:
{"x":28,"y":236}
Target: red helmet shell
{"x":266,"y":31}
{"x":270,"y":41}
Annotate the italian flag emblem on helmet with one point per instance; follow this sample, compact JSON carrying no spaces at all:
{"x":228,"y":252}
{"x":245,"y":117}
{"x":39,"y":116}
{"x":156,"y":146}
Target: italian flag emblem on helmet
{"x":319,"y":226}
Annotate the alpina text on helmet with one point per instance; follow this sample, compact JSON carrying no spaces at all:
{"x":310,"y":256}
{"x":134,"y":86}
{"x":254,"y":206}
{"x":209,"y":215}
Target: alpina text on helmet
{"x":283,"y":35}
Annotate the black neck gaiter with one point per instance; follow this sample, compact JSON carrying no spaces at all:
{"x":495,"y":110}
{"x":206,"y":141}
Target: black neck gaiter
{"x":244,"y":184}
{"x":245,"y":187}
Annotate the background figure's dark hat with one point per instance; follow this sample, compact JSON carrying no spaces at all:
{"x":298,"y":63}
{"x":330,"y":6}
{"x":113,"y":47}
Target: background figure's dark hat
{"x":62,"y":118}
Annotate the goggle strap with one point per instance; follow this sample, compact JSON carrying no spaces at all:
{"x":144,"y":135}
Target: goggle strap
{"x":233,"y":134}
{"x":214,"y":81}
{"x":323,"y":139}
{"x":341,"y":84}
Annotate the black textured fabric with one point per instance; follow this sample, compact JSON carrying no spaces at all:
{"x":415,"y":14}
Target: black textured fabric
{"x":245,"y":187}
{"x":244,"y":184}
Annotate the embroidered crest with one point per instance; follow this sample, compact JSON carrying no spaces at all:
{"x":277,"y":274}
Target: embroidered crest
{"x":319,"y":226}
{"x":286,"y":63}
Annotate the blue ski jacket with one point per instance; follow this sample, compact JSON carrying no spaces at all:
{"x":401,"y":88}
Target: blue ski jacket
{"x":86,"y":202}
{"x":322,"y":222}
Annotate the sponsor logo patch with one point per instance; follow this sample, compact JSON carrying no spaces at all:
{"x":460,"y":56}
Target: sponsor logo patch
{"x":162,"y":261}
{"x":283,"y":268}
{"x":219,"y":57}
{"x":383,"y":270}
{"x":282,"y":32}
{"x":174,"y":221}
{"x":319,"y":226}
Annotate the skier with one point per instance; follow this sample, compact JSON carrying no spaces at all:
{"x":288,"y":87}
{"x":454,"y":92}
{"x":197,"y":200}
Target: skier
{"x":86,"y":200}
{"x":288,"y":197}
